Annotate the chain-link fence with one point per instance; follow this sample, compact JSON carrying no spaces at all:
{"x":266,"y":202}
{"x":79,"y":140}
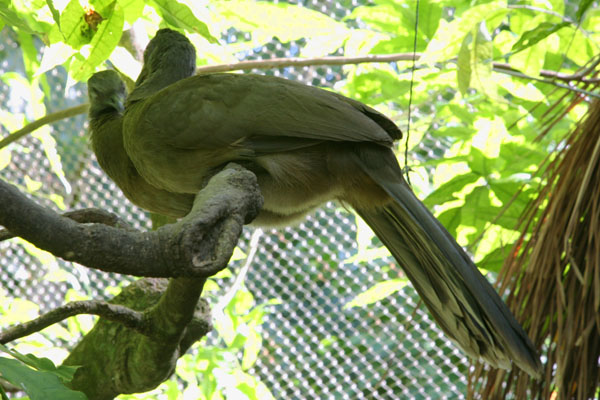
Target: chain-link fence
{"x":313,"y":347}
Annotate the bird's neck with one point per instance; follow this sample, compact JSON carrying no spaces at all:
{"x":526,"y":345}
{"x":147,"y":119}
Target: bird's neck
{"x":106,"y":132}
{"x":156,"y":82}
{"x":107,"y":142}
{"x":102,"y":111}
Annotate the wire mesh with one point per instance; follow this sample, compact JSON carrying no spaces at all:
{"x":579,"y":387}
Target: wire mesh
{"x":313,"y":347}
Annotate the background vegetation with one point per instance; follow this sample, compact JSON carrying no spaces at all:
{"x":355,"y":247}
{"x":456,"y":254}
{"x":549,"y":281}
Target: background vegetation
{"x":489,"y":77}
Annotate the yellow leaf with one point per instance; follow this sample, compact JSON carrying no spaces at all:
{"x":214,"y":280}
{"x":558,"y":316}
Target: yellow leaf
{"x":32,"y":186}
{"x":4,"y":158}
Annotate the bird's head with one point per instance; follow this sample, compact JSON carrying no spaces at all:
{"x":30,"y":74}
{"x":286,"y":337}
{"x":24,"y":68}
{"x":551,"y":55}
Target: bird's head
{"x":172,"y":50}
{"x":168,"y":58}
{"x":106,"y":92}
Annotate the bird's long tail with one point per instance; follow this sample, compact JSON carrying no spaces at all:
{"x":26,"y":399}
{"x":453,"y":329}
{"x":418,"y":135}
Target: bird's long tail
{"x":460,"y":299}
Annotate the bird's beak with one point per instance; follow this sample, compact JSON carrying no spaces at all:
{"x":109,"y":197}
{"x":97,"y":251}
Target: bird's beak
{"x":117,"y":102}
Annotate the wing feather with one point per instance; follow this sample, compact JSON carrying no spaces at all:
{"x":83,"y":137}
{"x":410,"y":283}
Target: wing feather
{"x":222,"y":110}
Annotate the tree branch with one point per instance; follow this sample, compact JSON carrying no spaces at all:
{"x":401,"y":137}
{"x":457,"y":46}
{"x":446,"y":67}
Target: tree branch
{"x":578,"y":77}
{"x":198,"y":245}
{"x":112,"y":312}
{"x":115,"y":359}
{"x":84,"y":216}
{"x":306,"y":62}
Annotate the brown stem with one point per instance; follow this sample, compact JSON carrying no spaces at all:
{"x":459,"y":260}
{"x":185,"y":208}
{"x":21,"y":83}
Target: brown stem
{"x":113,"y":312}
{"x":45,"y":120}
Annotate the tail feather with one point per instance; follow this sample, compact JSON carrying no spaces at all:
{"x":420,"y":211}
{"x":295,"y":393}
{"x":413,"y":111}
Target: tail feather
{"x":460,"y":299}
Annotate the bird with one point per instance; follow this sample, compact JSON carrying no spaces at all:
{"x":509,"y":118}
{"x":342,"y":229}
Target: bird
{"x":306,"y":146}
{"x":106,"y":94}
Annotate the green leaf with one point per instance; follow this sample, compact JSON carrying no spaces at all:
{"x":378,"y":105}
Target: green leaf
{"x":451,"y":219}
{"x":462,"y":112}
{"x":523,"y":90}
{"x":54,"y":11}
{"x":225,"y":326}
{"x":30,"y":53}
{"x":583,"y":6}
{"x":458,"y":132}
{"x":12,"y":18}
{"x":376,"y":293}
{"x":251,"y":349}
{"x":39,"y":385}
{"x":430,"y":14}
{"x":446,"y":191}
{"x":494,"y":260}
{"x":103,"y":42}
{"x":463,"y":66}
{"x":480,"y":207}
{"x":474,"y":66}
{"x":49,"y":145}
{"x":518,"y":197}
{"x":481,"y":59}
{"x":327,"y":341}
{"x":557,"y":6}
{"x":287,"y":22}
{"x":531,"y":58}
{"x":5,"y":156}
{"x":180,"y":16}
{"x":384,"y":17}
{"x":449,"y":36}
{"x":242,"y":302}
{"x":480,"y":163}
{"x":255,"y":317}
{"x":520,"y":158}
{"x":398,"y":18}
{"x":577,"y":46}
{"x":3,"y":395}
{"x":72,"y":25}
{"x":539,"y":33}
{"x":377,"y":87}
{"x":132,"y":9}
{"x":65,"y":373}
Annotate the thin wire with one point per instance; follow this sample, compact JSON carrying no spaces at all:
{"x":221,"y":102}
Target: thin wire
{"x":412,"y":81}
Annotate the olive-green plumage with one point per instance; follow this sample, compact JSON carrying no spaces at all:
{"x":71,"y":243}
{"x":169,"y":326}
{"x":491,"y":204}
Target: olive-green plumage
{"x":107,"y":94}
{"x":306,"y":146}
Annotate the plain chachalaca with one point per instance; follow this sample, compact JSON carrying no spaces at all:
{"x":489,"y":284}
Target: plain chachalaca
{"x":106,"y":92}
{"x":306,"y":146}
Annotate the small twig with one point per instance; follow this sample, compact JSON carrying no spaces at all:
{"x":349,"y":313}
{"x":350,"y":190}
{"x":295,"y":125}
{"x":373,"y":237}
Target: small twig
{"x":579,"y":77}
{"x":560,"y":85}
{"x":45,"y":120}
{"x":113,"y":312}
{"x":84,"y":216}
{"x":306,"y":62}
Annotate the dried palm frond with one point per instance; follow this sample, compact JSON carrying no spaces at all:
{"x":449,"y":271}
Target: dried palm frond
{"x":553,"y":276}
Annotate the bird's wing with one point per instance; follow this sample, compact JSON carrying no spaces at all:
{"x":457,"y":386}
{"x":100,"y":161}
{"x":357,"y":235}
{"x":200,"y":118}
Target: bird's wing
{"x":266,"y":114}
